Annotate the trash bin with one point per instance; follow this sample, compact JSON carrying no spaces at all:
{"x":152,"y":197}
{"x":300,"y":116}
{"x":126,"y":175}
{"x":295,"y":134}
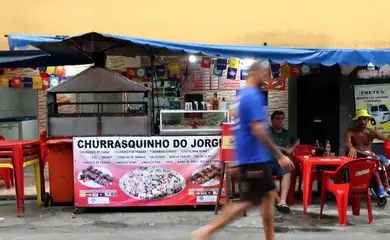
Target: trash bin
{"x":60,"y":159}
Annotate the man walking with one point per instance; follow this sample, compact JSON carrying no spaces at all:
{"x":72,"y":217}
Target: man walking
{"x":254,"y":150}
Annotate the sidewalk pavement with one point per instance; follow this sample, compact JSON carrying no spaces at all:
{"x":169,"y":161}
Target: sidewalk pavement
{"x":158,"y":223}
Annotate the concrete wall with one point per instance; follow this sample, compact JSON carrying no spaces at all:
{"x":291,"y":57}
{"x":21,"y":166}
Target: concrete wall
{"x":305,"y":23}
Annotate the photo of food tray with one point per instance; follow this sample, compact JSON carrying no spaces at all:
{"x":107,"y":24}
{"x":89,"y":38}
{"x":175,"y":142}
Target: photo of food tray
{"x":278,"y":84}
{"x":95,"y":177}
{"x":152,"y":183}
{"x":206,"y":176}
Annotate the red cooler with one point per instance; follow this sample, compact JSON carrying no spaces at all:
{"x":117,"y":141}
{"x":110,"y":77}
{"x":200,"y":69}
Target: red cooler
{"x":228,"y":143}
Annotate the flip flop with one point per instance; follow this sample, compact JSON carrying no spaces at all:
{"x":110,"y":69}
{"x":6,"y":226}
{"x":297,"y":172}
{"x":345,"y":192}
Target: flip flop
{"x":283,"y":208}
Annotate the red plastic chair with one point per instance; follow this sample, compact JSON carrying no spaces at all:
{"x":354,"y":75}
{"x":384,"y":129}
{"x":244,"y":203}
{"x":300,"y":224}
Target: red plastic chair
{"x":44,"y":149}
{"x":6,"y":173}
{"x":360,"y":173}
{"x":303,"y":150}
{"x":387,"y":149}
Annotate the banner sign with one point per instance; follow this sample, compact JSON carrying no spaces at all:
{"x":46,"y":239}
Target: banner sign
{"x":146,"y":171}
{"x":375,"y":99}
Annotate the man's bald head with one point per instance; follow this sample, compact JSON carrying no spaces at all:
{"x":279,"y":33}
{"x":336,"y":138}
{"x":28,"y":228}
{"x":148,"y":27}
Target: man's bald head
{"x":259,"y":65}
{"x":259,"y":72}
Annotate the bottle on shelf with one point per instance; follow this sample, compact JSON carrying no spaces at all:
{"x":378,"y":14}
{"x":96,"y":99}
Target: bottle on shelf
{"x":314,"y":149}
{"x":215,"y":102}
{"x":209,"y":104}
{"x":327,"y":148}
{"x":318,"y":148}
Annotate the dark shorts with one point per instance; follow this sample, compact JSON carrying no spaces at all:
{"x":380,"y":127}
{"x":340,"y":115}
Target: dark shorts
{"x":256,"y":180}
{"x":277,"y":170}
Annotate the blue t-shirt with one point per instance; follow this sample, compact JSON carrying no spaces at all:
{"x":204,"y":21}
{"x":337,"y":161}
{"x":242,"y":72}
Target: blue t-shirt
{"x":252,"y":107}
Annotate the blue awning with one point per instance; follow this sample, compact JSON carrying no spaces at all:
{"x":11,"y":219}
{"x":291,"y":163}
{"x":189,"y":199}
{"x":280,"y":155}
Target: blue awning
{"x":130,"y":46}
{"x":37,"y":58}
{"x":15,"y":56}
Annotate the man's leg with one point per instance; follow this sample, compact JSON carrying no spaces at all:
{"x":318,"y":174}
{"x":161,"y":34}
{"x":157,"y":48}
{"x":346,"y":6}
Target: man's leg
{"x":230,"y":212}
{"x":284,"y":188}
{"x":267,"y":212}
{"x":381,"y":190}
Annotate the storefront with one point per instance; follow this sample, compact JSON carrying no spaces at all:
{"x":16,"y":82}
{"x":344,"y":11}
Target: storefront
{"x":190,"y":91}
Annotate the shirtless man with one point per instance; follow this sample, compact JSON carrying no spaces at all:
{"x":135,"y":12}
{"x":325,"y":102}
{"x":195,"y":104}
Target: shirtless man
{"x":358,"y":143}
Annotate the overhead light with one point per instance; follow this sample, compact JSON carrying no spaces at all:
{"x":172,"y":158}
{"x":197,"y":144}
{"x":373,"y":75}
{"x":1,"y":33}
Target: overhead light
{"x":371,"y":66}
{"x":247,"y":62}
{"x":192,"y":58}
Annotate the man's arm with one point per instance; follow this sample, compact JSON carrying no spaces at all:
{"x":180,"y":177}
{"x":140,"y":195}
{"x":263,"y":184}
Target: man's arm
{"x":282,"y":149}
{"x":380,"y":136}
{"x":295,"y":144}
{"x":348,"y":141}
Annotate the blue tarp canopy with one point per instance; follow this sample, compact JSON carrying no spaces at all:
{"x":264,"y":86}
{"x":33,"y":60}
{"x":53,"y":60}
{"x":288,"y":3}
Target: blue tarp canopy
{"x":38,"y":58}
{"x":15,"y":56}
{"x":130,"y":46}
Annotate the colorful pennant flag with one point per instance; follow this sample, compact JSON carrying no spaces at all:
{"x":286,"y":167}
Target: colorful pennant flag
{"x":217,"y":72}
{"x":45,"y":83}
{"x":141,"y":73}
{"x":285,"y":71}
{"x":7,"y":71}
{"x":172,"y":76}
{"x":17,"y":82}
{"x":244,"y":74}
{"x":131,"y":72}
{"x":43,"y":74}
{"x":149,"y":72}
{"x":4,"y":82}
{"x":315,"y":68}
{"x":231,"y":73}
{"x":221,"y":63}
{"x":160,"y":71}
{"x":60,"y":71}
{"x":305,"y":70}
{"x":234,"y":62}
{"x":63,"y":79}
{"x":37,"y":83}
{"x":51,"y":70}
{"x":295,"y":71}
{"x":174,"y":68}
{"x":275,"y":68}
{"x":206,"y":62}
{"x":54,"y":82}
{"x":27,"y":82}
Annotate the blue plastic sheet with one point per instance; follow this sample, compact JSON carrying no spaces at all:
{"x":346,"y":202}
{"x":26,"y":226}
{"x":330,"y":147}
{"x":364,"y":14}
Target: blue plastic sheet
{"x":327,"y":57}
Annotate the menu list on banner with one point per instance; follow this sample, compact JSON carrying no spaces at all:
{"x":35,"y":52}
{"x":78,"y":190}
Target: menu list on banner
{"x":229,"y":84}
{"x":197,"y":79}
{"x":146,"y":171}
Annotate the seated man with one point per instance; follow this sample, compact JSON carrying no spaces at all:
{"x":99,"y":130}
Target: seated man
{"x":358,"y":144}
{"x":287,"y":145}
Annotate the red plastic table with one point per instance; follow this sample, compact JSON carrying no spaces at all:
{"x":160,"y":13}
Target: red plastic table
{"x":17,"y":150}
{"x":308,"y":162}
